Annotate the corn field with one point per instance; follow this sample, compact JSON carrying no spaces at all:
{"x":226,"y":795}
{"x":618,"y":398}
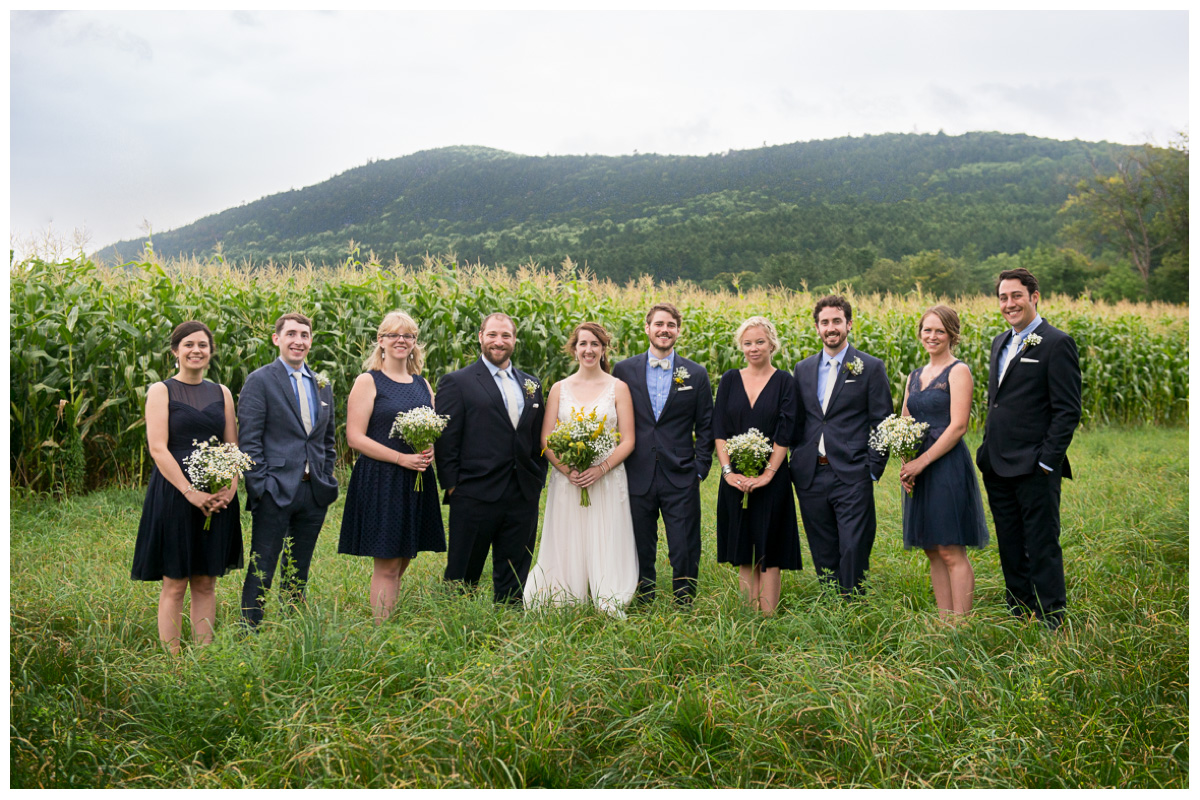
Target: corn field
{"x":87,"y":341}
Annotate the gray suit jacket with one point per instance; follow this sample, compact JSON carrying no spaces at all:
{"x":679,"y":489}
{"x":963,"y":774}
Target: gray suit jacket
{"x":270,"y":432}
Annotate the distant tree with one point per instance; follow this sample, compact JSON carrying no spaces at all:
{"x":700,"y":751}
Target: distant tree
{"x":1059,"y":269}
{"x":1141,"y":209}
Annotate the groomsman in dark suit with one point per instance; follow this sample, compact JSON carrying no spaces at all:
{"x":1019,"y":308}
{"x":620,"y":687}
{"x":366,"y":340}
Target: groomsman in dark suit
{"x":1035,"y":400}
{"x":672,"y":403}
{"x":489,"y":462}
{"x":844,"y":394}
{"x":285,"y":423}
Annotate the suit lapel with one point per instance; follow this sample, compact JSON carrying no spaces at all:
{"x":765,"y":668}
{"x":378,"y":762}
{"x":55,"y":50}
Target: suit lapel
{"x":488,"y":384}
{"x":808,"y":378}
{"x":842,"y":374}
{"x":528,"y":409}
{"x":284,"y":377}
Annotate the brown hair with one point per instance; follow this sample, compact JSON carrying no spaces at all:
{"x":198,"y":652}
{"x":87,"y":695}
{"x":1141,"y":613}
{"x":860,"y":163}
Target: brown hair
{"x":186,"y":329}
{"x":598,"y":330}
{"x":294,"y":317}
{"x":1021,"y":274}
{"x":832,"y":301}
{"x":497,"y":315}
{"x":667,"y":307}
{"x":397,"y":322}
{"x":949,"y":319}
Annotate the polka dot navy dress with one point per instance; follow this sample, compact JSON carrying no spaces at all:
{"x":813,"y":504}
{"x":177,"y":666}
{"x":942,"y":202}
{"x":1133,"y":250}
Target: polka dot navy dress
{"x":385,"y":517}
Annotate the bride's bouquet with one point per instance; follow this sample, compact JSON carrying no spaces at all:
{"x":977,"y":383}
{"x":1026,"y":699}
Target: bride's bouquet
{"x":749,"y":453}
{"x":213,"y":465}
{"x":583,"y":441}
{"x":901,"y":436}
{"x":419,"y":427}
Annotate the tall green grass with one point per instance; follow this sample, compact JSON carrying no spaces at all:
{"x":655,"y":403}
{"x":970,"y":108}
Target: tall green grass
{"x":455,"y":692}
{"x":88,"y":341}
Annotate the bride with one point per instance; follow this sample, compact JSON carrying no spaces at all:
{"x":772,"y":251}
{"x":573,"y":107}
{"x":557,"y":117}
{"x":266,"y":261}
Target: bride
{"x":587,"y":549}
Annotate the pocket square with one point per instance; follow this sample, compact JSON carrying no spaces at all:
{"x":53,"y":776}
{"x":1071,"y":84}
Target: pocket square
{"x":535,"y":405}
{"x":324,"y":404}
{"x":850,"y":381}
{"x":1029,"y":361}
{"x":685,"y":388}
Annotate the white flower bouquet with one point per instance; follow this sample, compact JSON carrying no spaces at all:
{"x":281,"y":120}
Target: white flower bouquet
{"x":419,"y":428}
{"x":901,"y":436}
{"x":213,"y":465}
{"x":583,"y":441}
{"x":749,"y":453}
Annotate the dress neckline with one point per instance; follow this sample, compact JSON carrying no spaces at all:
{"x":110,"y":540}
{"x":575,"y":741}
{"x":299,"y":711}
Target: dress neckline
{"x":594,"y":401}
{"x":770,"y":378}
{"x":934,"y":379}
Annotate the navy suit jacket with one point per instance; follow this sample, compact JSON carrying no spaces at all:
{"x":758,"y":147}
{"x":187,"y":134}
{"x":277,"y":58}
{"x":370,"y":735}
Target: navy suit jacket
{"x":479,"y":450}
{"x":667,"y":441}
{"x":858,"y":404}
{"x":271,"y":432}
{"x":1033,"y":413}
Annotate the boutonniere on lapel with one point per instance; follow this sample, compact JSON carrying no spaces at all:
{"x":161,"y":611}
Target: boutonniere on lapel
{"x":681,"y":375}
{"x":531,"y":387}
{"x":1032,"y":340}
{"x":855,"y":367}
{"x":322,"y":379}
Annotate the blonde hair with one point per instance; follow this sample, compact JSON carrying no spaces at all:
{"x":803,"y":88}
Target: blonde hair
{"x":396,"y":322}
{"x":758,"y":322}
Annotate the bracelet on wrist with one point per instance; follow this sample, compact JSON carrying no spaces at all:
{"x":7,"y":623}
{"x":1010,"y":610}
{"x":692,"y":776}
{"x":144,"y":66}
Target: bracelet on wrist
{"x":726,"y":469}
{"x":771,"y":468}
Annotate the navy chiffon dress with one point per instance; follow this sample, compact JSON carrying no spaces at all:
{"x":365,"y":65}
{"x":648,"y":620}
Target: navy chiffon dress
{"x":945,"y":507}
{"x":385,"y":516}
{"x":171,"y":539}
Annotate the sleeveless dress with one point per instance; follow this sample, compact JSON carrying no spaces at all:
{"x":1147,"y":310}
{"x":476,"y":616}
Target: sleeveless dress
{"x":586,"y":550}
{"x":171,"y":539}
{"x":385,"y":516}
{"x":945,"y":507}
{"x":765,"y":532}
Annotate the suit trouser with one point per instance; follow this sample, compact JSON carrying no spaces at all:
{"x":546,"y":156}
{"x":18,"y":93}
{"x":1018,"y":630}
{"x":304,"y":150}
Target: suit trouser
{"x":1026,"y":515}
{"x":507,"y":526}
{"x":680,"y":510}
{"x":839,"y":523}
{"x":301,"y":520}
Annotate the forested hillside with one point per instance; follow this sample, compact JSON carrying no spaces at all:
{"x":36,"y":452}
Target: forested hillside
{"x":810,"y":213}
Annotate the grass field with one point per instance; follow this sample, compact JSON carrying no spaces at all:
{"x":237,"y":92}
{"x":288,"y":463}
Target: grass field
{"x":455,"y":692}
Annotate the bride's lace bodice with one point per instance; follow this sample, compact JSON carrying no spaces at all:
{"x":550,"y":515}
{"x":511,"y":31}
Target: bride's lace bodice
{"x":605,"y":404}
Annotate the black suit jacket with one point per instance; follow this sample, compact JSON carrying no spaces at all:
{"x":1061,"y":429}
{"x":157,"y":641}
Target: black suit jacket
{"x":271,"y":432}
{"x":858,"y":404}
{"x":1033,"y":413}
{"x":667,"y":441}
{"x":479,"y":450}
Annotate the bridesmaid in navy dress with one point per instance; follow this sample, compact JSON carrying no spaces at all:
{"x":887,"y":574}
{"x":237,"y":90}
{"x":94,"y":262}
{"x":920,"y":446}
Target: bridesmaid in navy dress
{"x":385,"y":517}
{"x":172,"y":545}
{"x":944,"y":514}
{"x":763,"y":538}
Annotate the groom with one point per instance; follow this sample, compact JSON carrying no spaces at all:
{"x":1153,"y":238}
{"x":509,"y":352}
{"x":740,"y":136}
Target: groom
{"x":672,"y":402}
{"x":489,"y":462}
{"x":1035,"y":400}
{"x":844,"y":395}
{"x":285,"y":423}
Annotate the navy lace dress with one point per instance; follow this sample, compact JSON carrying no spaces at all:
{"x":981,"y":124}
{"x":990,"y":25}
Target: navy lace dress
{"x":171,"y":539}
{"x":385,"y":517}
{"x":945,"y":507}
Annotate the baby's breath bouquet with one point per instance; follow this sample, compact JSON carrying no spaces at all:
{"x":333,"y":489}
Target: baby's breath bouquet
{"x":419,"y":427}
{"x":583,"y":441}
{"x":749,"y":453}
{"x":901,"y":436}
{"x":213,"y":465}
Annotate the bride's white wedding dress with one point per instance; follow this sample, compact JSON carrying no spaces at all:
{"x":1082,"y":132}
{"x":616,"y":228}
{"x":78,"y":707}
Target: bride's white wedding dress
{"x":586,"y":550}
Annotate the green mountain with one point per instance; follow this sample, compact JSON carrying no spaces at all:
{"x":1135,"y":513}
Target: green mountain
{"x":810,"y":211}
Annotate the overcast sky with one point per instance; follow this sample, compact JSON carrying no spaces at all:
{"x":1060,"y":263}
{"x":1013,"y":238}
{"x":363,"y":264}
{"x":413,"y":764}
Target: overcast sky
{"x":120,"y":117}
